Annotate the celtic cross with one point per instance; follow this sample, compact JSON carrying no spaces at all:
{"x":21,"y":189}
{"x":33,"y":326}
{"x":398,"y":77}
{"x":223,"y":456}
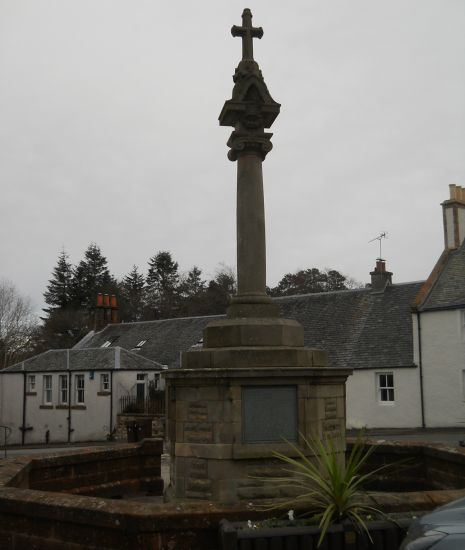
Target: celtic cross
{"x":248,"y":33}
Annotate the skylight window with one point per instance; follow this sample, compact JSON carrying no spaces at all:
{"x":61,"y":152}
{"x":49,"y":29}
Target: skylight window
{"x":106,"y":344}
{"x":139,"y":345}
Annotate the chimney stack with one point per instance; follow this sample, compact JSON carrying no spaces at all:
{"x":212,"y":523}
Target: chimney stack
{"x":106,"y":311}
{"x":380,"y":278}
{"x":453,"y":211}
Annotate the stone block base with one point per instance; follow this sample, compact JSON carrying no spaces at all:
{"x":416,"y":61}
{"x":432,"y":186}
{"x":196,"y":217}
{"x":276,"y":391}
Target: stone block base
{"x":219,"y":449}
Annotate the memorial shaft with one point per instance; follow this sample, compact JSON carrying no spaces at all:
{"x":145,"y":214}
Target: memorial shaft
{"x":251,"y":246}
{"x":250,"y":110}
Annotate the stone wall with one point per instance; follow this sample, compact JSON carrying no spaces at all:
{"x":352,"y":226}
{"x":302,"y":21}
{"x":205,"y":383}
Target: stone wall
{"x":34,"y":518}
{"x":158,"y":425}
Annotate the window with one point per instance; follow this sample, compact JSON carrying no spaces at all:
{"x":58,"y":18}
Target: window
{"x":47,"y":389}
{"x":79,"y":389}
{"x":139,"y":345}
{"x":63,"y":388}
{"x":105,"y":382}
{"x":31,"y":383}
{"x":385,"y":387}
{"x":463,"y":385}
{"x":106,"y":344}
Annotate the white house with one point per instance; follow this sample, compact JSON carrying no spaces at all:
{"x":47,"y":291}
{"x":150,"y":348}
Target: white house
{"x":72,"y":395}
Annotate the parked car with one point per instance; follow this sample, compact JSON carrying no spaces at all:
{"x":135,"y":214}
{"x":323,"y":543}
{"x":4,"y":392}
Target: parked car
{"x":442,"y":529}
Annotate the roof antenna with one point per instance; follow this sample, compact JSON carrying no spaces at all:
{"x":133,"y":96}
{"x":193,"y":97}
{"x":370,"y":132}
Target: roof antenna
{"x":379,"y":238}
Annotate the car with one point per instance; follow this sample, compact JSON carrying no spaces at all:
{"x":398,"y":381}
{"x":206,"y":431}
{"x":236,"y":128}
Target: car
{"x":442,"y":529}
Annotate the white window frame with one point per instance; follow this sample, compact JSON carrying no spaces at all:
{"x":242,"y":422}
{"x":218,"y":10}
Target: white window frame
{"x":31,"y":383}
{"x":105,"y":382}
{"x":63,"y":389}
{"x":385,"y":392}
{"x":463,"y":385}
{"x":79,"y":389}
{"x":47,"y":389}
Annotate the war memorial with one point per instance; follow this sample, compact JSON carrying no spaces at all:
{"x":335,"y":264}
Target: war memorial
{"x":253,"y":384}
{"x":249,"y":388}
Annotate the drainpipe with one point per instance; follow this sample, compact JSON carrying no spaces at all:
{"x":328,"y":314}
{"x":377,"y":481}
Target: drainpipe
{"x":23,"y":430}
{"x":111,"y":404}
{"x":69,"y":396}
{"x":420,"y":364}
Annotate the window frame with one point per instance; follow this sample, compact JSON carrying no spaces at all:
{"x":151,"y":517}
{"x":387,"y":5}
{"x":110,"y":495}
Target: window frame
{"x":31,"y":383}
{"x":105,"y":382}
{"x":79,"y":389}
{"x":47,"y":389}
{"x":383,"y":388}
{"x":63,"y":389}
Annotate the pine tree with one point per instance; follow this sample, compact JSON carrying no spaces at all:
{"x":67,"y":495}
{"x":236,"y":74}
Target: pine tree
{"x":58,"y":293}
{"x":192,"y":293}
{"x":162,"y":286}
{"x":90,"y":277}
{"x":132,"y":297}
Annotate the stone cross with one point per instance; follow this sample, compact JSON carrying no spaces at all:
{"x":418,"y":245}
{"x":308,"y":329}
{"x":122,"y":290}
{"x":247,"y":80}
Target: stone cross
{"x":248,"y":33}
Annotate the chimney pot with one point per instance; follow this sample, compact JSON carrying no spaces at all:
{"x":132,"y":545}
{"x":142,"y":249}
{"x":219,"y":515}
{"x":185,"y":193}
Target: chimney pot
{"x":106,"y":300}
{"x":113,"y":301}
{"x":99,"y":299}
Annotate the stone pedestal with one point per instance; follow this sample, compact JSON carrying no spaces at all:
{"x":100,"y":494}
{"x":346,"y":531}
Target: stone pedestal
{"x":224,"y":422}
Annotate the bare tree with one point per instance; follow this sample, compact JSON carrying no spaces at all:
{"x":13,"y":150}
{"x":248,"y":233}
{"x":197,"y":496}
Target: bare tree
{"x":18,"y":325}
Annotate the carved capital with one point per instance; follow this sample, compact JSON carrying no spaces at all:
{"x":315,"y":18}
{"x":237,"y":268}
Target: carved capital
{"x":241,"y":142}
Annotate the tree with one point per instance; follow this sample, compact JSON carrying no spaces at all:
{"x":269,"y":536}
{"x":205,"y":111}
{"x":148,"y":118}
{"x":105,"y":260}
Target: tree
{"x":90,"y":277}
{"x":162,"y":286}
{"x":220,"y":290}
{"x":132,"y":296}
{"x":58,"y":293}
{"x":18,"y":325}
{"x":309,"y":281}
{"x":192,"y":293}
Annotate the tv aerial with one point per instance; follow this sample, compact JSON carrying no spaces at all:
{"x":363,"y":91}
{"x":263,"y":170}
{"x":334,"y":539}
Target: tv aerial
{"x":380,"y":238}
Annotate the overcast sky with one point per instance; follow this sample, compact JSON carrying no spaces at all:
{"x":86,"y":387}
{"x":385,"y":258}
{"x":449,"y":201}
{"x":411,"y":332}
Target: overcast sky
{"x":109,"y":132}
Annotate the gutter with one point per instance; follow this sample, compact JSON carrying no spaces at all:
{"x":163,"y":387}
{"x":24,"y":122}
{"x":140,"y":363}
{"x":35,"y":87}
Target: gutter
{"x":420,"y":365}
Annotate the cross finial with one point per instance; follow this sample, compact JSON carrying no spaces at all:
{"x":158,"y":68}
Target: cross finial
{"x":247,"y":32}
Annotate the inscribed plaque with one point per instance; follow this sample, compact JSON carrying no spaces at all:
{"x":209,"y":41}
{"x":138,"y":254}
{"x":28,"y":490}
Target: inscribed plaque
{"x":269,"y":414}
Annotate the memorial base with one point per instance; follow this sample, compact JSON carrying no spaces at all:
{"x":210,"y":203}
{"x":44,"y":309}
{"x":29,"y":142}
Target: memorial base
{"x":224,"y":422}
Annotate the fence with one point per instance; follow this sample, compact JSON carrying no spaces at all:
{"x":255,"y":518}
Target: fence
{"x":152,"y":404}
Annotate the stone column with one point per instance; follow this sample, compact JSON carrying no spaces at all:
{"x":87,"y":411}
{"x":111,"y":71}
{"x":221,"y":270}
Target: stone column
{"x":251,"y":246}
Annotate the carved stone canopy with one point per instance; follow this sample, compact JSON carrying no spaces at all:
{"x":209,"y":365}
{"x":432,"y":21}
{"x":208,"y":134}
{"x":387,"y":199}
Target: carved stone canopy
{"x":251,"y":104}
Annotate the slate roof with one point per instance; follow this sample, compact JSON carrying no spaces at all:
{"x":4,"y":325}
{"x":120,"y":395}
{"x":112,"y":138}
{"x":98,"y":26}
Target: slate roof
{"x":448,"y":285}
{"x":56,"y":360}
{"x":359,"y":328}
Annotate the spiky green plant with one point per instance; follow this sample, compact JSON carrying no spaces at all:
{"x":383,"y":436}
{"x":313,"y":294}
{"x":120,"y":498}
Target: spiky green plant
{"x":331,"y":487}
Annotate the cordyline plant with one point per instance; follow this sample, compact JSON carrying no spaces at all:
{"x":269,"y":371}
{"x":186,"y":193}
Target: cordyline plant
{"x":332,"y":488}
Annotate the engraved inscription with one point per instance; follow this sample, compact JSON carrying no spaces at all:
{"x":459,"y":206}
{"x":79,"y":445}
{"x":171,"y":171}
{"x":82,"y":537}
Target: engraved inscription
{"x":269,"y":414}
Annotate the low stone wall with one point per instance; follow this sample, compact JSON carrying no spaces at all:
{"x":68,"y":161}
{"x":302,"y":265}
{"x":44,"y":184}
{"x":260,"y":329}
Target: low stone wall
{"x":31,"y":518}
{"x":416,"y":466}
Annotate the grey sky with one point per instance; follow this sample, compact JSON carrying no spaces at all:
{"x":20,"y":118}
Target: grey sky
{"x":109,"y":132}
